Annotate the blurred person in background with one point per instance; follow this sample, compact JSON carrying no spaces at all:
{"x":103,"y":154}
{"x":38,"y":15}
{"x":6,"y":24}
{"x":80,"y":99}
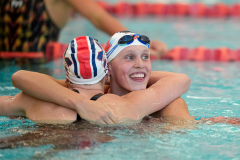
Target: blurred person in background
{"x":26,"y":26}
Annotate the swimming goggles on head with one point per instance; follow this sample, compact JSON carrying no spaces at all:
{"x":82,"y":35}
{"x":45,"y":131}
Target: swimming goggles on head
{"x":128,"y":39}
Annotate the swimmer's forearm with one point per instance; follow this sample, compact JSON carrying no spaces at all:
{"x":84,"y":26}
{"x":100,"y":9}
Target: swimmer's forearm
{"x":158,"y":75}
{"x":168,"y":89}
{"x":159,"y":95}
{"x":174,"y":85}
{"x":47,"y":89}
{"x":33,"y":76}
{"x":41,"y":86}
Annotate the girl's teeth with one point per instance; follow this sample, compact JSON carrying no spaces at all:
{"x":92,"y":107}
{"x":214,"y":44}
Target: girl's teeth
{"x":137,"y":76}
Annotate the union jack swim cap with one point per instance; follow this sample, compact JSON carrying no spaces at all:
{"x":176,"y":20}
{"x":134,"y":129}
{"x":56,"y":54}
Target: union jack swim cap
{"x":84,"y":61}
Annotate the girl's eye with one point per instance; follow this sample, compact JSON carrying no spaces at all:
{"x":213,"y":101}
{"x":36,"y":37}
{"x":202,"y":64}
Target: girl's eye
{"x":145,"y":57}
{"x":129,"y":57}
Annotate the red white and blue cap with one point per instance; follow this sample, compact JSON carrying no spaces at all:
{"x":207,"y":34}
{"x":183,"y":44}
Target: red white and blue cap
{"x":112,"y":48}
{"x":84,"y":61}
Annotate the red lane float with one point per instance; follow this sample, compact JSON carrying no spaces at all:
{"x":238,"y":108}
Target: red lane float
{"x":9,"y":55}
{"x":238,"y":54}
{"x":235,"y":10}
{"x":197,"y":10}
{"x":157,"y":9}
{"x":200,"y":54}
{"x":180,"y":9}
{"x":174,"y":9}
{"x":220,"y":10}
{"x":124,"y":8}
{"x":142,"y":8}
{"x":177,"y":53}
{"x":222,"y":54}
{"x":55,"y":50}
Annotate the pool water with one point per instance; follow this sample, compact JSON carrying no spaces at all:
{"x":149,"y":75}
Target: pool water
{"x":188,"y":32}
{"x":214,"y":92}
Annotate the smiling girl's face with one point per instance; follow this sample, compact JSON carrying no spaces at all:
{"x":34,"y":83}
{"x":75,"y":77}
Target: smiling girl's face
{"x":130,"y":70}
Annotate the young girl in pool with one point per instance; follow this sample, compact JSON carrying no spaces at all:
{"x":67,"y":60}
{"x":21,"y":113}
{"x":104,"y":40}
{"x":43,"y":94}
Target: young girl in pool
{"x":152,"y":99}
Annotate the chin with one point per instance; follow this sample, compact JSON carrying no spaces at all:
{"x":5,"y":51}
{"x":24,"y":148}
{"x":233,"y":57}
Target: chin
{"x":136,"y":88}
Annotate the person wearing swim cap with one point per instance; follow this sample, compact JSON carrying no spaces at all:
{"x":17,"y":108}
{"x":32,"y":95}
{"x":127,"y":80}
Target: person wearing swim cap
{"x":131,"y":51}
{"x":85,"y":66}
{"x":84,"y":61}
{"x":170,"y":84}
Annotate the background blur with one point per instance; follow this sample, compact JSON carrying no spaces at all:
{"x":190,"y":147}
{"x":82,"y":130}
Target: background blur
{"x":174,"y":31}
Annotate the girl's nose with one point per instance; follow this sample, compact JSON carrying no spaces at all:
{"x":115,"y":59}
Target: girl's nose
{"x":139,"y":63}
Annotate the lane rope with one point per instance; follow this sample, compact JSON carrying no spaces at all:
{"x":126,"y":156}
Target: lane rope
{"x":198,"y":9}
{"x":55,"y":50}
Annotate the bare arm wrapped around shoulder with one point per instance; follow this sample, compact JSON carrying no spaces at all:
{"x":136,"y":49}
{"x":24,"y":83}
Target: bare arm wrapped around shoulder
{"x":41,"y":86}
{"x":137,"y":104}
{"x":48,"y":89}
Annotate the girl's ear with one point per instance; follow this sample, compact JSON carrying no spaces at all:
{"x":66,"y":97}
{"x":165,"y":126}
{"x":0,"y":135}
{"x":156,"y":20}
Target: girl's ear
{"x":109,"y":69}
{"x":107,"y":79}
{"x":68,"y":83}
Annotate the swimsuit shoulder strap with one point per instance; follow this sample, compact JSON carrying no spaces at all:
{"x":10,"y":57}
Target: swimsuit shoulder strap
{"x":95,"y":97}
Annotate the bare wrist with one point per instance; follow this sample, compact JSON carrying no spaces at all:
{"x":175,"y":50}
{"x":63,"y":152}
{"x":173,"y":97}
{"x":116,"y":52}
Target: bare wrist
{"x":76,"y":103}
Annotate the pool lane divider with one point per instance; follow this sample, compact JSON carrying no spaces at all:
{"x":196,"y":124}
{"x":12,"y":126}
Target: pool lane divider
{"x":198,"y":9}
{"x":222,"y":54}
{"x":55,"y":50}
{"x":9,"y":55}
